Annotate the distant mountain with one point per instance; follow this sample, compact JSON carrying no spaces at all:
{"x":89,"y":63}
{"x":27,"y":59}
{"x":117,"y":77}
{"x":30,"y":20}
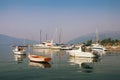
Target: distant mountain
{"x":4,"y":39}
{"x":92,"y":36}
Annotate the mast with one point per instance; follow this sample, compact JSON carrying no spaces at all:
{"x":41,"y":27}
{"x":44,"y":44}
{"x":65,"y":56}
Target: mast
{"x":46,"y":36}
{"x":97,"y":38}
{"x":60,"y":36}
{"x":55,"y":36}
{"x":40,"y":35}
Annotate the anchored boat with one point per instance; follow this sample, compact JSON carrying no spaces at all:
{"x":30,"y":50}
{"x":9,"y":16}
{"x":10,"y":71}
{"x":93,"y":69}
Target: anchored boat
{"x":19,"y":50}
{"x":38,"y":58}
{"x":77,"y":51}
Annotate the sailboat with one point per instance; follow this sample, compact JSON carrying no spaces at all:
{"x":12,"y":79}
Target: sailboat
{"x":44,"y":45}
{"x":48,"y":44}
{"x":97,"y":47}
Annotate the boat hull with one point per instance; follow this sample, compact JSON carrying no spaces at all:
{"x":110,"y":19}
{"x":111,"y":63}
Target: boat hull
{"x":36,"y":58}
{"x":82,"y":54}
{"x":18,"y":52}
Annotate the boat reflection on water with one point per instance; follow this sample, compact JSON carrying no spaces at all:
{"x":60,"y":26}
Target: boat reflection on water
{"x":42,"y":50}
{"x":39,"y":64}
{"x":19,"y":57}
{"x":85,"y":64}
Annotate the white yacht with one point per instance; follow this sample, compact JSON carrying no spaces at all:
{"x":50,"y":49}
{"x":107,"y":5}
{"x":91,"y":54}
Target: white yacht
{"x":77,"y":51}
{"x":99,"y":49}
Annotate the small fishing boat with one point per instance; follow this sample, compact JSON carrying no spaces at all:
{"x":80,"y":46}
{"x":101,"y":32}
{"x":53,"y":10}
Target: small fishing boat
{"x":38,"y":58}
{"x":19,"y":50}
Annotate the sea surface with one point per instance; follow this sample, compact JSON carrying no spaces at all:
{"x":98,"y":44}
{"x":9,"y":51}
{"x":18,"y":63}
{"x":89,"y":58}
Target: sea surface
{"x":61,"y":67}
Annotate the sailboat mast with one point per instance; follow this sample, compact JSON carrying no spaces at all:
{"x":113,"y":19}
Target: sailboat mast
{"x":46,"y":36}
{"x":60,"y":36}
{"x":40,"y":35}
{"x":97,"y":38}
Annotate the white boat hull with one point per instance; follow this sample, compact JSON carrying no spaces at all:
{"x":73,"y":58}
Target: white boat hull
{"x":77,"y":51}
{"x":18,"y":52}
{"x":82,"y":54}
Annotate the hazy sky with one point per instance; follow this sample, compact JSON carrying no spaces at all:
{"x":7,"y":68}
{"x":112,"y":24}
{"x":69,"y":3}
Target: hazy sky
{"x":25,"y":18}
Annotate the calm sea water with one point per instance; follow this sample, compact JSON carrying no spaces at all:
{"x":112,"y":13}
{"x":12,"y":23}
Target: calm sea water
{"x":62,"y":67}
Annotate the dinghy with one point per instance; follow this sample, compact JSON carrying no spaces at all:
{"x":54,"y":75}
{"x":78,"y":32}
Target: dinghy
{"x":38,"y":58}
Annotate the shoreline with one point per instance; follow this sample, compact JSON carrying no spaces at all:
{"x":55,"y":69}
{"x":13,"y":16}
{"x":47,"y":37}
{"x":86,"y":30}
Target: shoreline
{"x":112,"y":48}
